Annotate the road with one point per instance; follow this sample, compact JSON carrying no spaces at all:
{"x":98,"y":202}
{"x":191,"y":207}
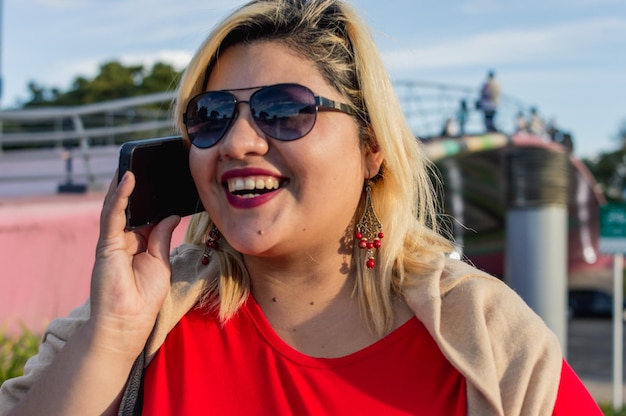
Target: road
{"x":590,"y":353}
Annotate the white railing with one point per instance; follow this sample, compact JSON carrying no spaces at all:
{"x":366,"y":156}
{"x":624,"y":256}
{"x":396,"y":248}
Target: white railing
{"x":74,"y":146}
{"x":41,"y":126}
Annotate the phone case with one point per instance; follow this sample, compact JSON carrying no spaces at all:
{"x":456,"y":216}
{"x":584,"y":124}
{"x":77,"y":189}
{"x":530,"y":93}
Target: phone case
{"x":164,"y":185}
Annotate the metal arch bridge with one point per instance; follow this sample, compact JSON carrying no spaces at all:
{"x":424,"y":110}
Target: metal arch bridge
{"x":81,"y":144}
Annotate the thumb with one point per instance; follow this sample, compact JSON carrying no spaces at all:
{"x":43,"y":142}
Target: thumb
{"x":160,"y":240}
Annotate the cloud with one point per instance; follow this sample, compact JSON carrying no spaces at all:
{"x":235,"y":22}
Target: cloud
{"x":62,"y":75}
{"x":137,"y":23}
{"x":479,"y":6}
{"x":63,"y":4}
{"x":553,"y":43}
{"x":177,"y":58}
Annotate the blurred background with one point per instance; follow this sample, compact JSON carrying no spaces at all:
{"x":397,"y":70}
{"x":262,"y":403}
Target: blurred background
{"x":80,"y":77}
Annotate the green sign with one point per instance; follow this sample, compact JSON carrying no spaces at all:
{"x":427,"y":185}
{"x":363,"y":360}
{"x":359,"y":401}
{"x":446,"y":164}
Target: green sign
{"x":613,"y":228}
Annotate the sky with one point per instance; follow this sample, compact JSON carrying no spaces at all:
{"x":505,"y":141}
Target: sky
{"x":566,"y":57}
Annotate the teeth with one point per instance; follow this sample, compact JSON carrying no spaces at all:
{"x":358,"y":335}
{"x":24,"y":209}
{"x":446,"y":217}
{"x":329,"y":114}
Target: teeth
{"x":251,"y":183}
{"x":237,"y":184}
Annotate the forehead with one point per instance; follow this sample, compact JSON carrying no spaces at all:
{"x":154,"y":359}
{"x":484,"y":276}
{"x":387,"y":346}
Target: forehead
{"x":265,"y":63}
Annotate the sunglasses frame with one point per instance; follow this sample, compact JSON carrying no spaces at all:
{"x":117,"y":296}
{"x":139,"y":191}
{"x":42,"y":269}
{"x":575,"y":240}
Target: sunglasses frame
{"x":322,"y":104}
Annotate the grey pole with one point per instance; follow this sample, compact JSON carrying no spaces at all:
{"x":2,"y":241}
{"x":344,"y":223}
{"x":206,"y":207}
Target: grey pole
{"x":536,"y":232}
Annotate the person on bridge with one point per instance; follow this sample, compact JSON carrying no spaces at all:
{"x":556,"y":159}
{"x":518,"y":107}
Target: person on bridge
{"x":317,"y":281}
{"x":488,"y":101}
{"x":521,"y":125}
{"x":536,"y":125}
{"x":461,"y":116}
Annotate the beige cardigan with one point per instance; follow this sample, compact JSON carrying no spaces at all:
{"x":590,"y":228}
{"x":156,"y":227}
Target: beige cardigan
{"x":510,"y":359}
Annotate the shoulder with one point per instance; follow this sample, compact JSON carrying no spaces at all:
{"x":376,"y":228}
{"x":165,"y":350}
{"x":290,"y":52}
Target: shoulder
{"x":485,"y":301}
{"x":187,"y":270}
{"x":186,"y":255}
{"x":506,"y":352}
{"x":460,"y":279}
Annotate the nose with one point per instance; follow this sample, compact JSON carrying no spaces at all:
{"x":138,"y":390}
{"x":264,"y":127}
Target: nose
{"x":243,"y":136}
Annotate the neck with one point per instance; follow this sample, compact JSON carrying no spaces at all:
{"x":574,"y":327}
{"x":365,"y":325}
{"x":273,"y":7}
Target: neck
{"x":298,"y":285}
{"x":308,"y":307}
{"x":314,"y":310}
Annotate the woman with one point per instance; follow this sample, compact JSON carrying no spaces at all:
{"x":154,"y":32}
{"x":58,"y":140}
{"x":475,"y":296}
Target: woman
{"x":316,"y":281}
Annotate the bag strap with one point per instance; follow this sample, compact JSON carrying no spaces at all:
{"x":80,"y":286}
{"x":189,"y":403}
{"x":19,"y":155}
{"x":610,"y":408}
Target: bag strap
{"x":132,"y":400}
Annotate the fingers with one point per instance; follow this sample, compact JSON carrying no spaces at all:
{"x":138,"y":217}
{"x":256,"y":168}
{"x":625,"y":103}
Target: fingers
{"x":113,"y":212}
{"x":113,"y":219}
{"x":161,"y":237}
{"x":112,"y":187}
{"x":155,"y":240}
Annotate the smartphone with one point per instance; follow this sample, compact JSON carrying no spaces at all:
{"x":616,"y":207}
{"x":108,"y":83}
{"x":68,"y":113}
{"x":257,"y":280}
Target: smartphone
{"x":163,"y":185}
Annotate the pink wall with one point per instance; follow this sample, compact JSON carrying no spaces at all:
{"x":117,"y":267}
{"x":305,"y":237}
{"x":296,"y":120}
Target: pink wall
{"x":47,"y":248}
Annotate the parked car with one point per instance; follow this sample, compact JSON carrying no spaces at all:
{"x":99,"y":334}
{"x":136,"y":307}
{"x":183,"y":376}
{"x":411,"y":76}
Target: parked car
{"x":591,"y":303}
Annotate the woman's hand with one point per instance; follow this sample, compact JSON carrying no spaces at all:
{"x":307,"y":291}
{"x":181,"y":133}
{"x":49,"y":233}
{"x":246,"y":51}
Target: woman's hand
{"x":131,"y":275}
{"x":131,"y":278}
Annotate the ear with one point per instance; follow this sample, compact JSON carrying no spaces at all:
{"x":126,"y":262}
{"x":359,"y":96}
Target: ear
{"x":372,"y":156}
{"x":373,"y":159}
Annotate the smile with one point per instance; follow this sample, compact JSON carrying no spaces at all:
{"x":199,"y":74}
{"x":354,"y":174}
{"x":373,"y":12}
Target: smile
{"x":252,"y":186}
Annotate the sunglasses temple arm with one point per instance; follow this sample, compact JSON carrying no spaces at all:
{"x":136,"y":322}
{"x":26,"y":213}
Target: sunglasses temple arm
{"x":330,"y":105}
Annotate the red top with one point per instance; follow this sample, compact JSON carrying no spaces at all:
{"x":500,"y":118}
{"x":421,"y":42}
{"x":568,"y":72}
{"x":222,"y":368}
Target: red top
{"x":244,"y":368}
{"x":573,"y":397}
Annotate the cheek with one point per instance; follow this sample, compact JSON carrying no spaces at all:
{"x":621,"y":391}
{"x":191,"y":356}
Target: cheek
{"x":347,"y":155}
{"x":201,"y":164}
{"x":335,"y":168}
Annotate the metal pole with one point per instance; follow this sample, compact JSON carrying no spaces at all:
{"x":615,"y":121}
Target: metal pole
{"x":618,"y":317}
{"x":536,"y":233}
{"x":454,"y":179}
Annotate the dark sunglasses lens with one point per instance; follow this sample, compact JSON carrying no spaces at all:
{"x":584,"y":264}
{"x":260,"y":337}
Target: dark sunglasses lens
{"x":208,"y":117}
{"x":284,"y":112}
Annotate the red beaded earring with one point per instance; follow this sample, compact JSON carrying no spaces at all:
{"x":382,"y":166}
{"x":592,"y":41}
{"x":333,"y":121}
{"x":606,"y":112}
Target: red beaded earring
{"x":369,"y":230}
{"x":210,"y":245}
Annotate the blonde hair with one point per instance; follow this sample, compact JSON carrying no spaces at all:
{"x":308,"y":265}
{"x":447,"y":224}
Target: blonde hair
{"x":332,"y":35}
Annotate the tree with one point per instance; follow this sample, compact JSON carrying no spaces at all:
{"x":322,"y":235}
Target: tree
{"x":113,"y":81}
{"x":609,"y":169}
{"x":621,"y":134}
{"x":162,"y":77}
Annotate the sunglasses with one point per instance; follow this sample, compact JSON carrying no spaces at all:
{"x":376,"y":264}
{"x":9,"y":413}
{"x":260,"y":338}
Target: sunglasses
{"x":283,"y":111}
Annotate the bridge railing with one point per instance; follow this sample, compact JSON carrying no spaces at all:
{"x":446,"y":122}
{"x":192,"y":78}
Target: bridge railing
{"x":429,"y":105}
{"x":110,"y":122}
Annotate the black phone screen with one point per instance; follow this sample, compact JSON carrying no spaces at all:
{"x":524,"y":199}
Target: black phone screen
{"x":164,"y":185}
